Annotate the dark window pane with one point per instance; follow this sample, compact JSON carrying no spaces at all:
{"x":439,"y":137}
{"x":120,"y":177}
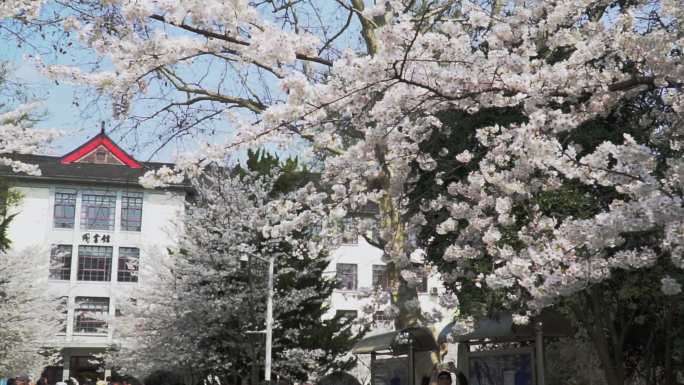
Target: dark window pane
{"x":94,"y":263}
{"x":380,"y":317}
{"x":346,"y":276}
{"x":89,"y":314}
{"x":129,"y":258}
{"x":131,"y":211}
{"x":97,"y":211}
{"x":380,"y":279}
{"x":65,"y":208}
{"x":347,"y":314}
{"x":60,"y":262}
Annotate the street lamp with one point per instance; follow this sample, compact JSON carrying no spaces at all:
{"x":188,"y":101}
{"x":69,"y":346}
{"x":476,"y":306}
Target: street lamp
{"x":269,"y":319}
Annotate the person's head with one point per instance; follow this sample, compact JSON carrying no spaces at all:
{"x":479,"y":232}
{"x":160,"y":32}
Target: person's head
{"x":444,"y":378}
{"x":22,"y":379}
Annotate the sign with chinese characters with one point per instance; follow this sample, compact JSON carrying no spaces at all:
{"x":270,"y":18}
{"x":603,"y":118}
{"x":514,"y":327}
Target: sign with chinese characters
{"x":95,"y":238}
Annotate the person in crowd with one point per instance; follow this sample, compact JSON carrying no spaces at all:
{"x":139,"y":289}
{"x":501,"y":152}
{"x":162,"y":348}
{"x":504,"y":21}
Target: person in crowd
{"x":42,"y":380}
{"x":461,"y":379}
{"x":444,"y":378}
{"x":22,"y":379}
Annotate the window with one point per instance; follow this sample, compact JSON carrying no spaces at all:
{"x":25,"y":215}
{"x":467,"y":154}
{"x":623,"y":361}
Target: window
{"x":94,"y":263}
{"x":90,"y":314}
{"x":422,"y":277}
{"x":349,"y":231}
{"x":346,"y":276}
{"x":380,"y":317}
{"x":97,"y":211}
{"x":380,"y":279}
{"x":129,"y":258}
{"x":131,"y":211}
{"x":60,"y":262}
{"x":347,"y":314}
{"x":63,"y":310}
{"x":65,"y":209}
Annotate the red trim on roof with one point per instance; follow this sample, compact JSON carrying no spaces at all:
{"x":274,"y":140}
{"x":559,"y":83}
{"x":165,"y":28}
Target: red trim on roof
{"x":104,"y":140}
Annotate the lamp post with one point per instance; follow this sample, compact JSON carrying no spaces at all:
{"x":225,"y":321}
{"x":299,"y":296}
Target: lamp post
{"x":269,"y":319}
{"x":269,"y":322}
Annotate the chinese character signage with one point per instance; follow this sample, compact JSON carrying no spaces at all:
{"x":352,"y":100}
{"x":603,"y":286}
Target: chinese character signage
{"x":95,"y":238}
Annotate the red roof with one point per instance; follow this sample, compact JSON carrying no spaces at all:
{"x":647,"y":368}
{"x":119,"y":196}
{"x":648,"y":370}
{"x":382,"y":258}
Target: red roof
{"x":100,"y":140}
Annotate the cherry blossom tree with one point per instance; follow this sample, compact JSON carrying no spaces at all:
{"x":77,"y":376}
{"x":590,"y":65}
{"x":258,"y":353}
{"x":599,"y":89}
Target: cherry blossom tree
{"x":200,"y":309}
{"x":550,"y":73}
{"x":28,"y":313}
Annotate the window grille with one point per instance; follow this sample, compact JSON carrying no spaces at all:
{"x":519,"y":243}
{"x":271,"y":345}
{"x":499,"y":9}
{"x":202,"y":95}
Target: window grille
{"x":129,"y":259}
{"x":131,"y":211}
{"x":346,"y":276}
{"x":94,"y":263}
{"x":380,"y":317}
{"x":90,"y":314}
{"x":97,"y":211}
{"x":380,"y":279}
{"x":60,"y":262}
{"x":65,"y":209}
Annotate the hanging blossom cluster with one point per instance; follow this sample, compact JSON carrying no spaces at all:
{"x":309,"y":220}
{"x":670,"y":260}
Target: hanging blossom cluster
{"x":558,"y":65}
{"x":24,"y":9}
{"x":17,"y":137}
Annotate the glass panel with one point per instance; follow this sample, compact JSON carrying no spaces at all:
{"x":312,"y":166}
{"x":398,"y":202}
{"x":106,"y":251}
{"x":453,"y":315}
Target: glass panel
{"x":129,"y":258}
{"x":380,"y":279}
{"x":65,"y":209}
{"x":97,"y":211}
{"x":347,"y":314}
{"x":346,"y":276}
{"x":131,"y":211}
{"x":90,"y":314}
{"x":94,"y":263}
{"x":60,"y":262}
{"x":380,"y":317}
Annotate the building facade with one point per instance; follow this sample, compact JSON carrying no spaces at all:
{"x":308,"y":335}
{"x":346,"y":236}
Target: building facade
{"x":93,"y":220}
{"x":362,"y":280}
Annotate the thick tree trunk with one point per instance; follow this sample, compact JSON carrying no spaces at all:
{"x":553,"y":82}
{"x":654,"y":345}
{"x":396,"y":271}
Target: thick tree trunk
{"x":596,"y":318}
{"x":396,"y":253}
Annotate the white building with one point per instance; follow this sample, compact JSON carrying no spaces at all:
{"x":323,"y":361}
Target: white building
{"x":361,"y":275}
{"x":95,"y":222}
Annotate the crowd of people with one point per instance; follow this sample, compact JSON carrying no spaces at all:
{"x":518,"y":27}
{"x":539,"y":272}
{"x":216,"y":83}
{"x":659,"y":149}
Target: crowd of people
{"x":24,"y":379}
